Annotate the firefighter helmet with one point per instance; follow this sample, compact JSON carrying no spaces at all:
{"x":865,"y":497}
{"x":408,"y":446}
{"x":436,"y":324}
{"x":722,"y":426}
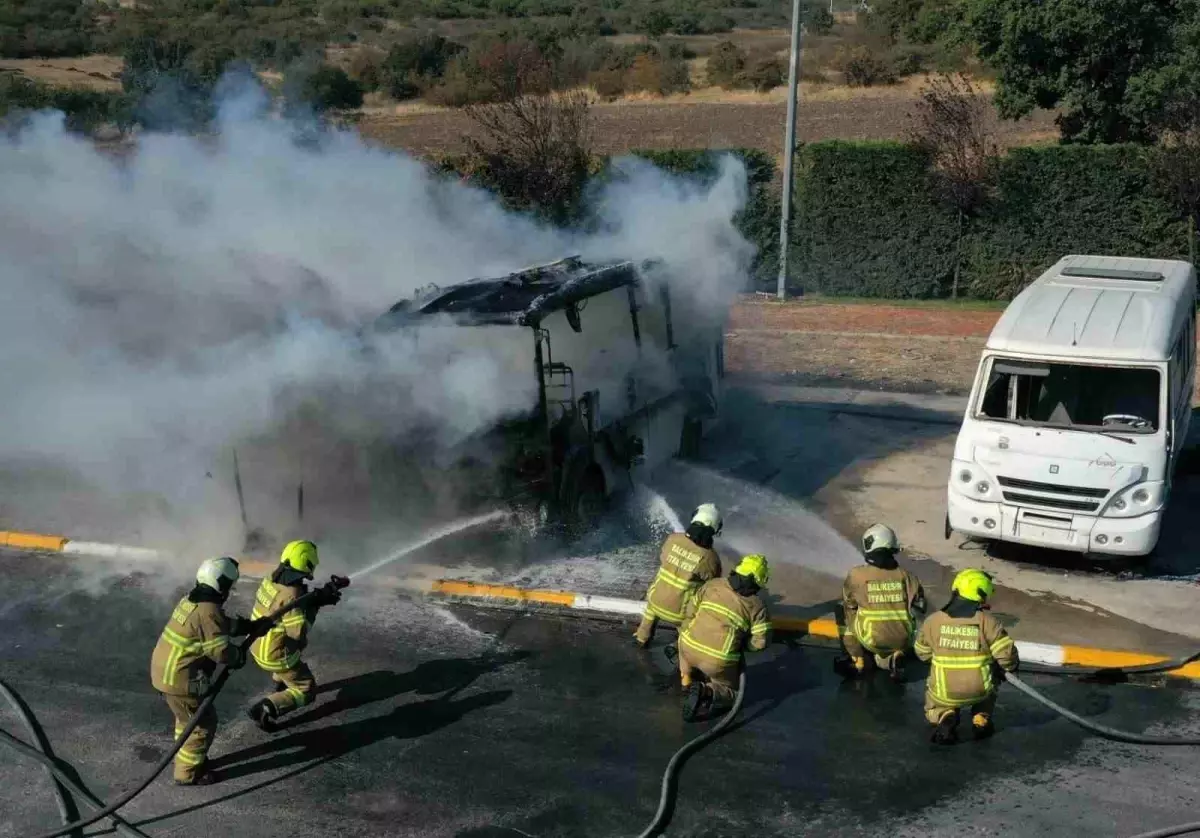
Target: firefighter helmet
{"x":755,"y":567}
{"x":974,"y":585}
{"x":218,"y":574}
{"x":300,"y":556}
{"x":708,"y":515}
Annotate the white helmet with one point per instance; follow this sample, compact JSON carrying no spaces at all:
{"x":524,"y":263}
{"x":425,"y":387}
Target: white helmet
{"x":708,"y":515}
{"x":218,"y":574}
{"x":880,"y":537}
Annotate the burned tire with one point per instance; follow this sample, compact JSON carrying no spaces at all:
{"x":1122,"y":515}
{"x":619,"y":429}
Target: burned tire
{"x":585,"y":502}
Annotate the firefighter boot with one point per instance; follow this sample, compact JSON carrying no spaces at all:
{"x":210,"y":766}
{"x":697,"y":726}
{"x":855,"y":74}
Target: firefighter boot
{"x":895,"y":667}
{"x":981,"y":726}
{"x":849,"y":666}
{"x":698,"y":695}
{"x":204,"y":776}
{"x":263,"y":715}
{"x":946,"y":731}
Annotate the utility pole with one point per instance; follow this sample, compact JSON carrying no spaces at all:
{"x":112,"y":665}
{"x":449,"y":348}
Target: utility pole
{"x":789,"y":149}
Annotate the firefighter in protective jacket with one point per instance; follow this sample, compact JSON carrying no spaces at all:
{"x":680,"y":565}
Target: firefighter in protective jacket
{"x":195,"y":640}
{"x":725,"y":618}
{"x":278,"y":651}
{"x":686,"y":562}
{"x":966,"y":647}
{"x":880,"y":601}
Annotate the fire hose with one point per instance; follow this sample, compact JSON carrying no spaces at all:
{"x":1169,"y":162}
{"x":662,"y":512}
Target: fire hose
{"x":220,"y":676}
{"x":669,"y":776}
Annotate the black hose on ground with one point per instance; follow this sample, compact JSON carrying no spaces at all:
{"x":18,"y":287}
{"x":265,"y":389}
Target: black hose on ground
{"x":669,"y":776}
{"x":60,"y":776}
{"x":65,"y":810}
{"x":1102,"y":730}
{"x":220,"y":676}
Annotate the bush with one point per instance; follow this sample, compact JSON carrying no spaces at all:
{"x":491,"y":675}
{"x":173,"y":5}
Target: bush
{"x":655,"y":23}
{"x":652,"y":73}
{"x":861,"y":66}
{"x":413,"y":65}
{"x":608,"y":83}
{"x":366,"y":68}
{"x":85,"y":110}
{"x":817,"y":19}
{"x":764,"y":74}
{"x":45,"y":28}
{"x":725,"y":64}
{"x":323,"y":88}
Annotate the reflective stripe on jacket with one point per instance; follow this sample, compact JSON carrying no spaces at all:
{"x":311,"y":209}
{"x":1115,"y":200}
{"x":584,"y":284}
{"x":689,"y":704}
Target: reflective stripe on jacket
{"x":279,"y":649}
{"x":878,"y":606}
{"x":722,"y":623}
{"x":194,"y":641}
{"x":683,"y":567}
{"x":962,"y":651}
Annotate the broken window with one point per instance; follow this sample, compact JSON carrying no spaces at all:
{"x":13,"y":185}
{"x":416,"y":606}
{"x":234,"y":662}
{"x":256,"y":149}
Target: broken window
{"x":1073,"y":395}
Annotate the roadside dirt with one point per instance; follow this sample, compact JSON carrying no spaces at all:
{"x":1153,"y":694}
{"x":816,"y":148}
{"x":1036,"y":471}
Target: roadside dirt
{"x":878,"y":347}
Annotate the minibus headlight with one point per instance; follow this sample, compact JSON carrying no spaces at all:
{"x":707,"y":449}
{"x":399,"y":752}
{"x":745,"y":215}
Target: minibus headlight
{"x":1141,"y":496}
{"x":965,"y":475}
{"x":1135,"y":500}
{"x":983,"y":487}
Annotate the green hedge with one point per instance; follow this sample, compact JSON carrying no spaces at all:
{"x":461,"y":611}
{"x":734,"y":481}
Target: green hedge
{"x":867,"y":223}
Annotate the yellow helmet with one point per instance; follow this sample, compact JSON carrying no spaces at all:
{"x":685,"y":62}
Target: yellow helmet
{"x":974,"y":585}
{"x":300,"y":556}
{"x":755,"y":567}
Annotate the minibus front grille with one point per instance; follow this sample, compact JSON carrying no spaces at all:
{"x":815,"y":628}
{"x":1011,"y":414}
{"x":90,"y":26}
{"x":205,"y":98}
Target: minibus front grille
{"x":1052,"y":503}
{"x":1079,"y":491}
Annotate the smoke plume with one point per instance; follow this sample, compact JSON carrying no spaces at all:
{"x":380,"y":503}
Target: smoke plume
{"x":203,"y":294}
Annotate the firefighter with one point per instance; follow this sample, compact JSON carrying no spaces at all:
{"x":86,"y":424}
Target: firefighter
{"x":278,"y":651}
{"x":195,"y":640}
{"x":879,"y":602}
{"x":687,"y":561}
{"x":725,"y":618}
{"x":968,"y":647}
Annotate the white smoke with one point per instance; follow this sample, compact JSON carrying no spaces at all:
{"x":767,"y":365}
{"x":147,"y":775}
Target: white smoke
{"x":162,"y":308}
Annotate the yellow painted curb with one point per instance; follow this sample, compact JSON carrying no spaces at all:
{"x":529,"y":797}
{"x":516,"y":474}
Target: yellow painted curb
{"x":1085,"y":656}
{"x":472,"y":589}
{"x":820,"y":627}
{"x":32,"y":541}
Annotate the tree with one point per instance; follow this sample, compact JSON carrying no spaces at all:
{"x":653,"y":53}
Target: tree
{"x":328,"y":88}
{"x":952,"y":124}
{"x":725,"y":64}
{"x":764,"y":74}
{"x":1086,"y":59}
{"x":656,"y":23}
{"x":413,"y":64}
{"x":535,"y":150}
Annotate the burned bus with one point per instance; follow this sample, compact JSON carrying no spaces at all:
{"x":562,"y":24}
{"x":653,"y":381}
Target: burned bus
{"x":622,"y":376}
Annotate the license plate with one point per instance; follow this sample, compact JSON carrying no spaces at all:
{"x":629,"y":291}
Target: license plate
{"x":1046,"y":535}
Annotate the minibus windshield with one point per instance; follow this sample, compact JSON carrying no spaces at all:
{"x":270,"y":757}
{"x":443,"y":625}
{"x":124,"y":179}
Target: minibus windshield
{"x":1094,"y":398}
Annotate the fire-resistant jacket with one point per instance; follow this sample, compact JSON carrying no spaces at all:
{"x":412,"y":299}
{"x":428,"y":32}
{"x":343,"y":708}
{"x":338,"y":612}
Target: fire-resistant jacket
{"x":962,"y":651}
{"x":279,"y":649}
{"x":194,"y":641}
{"x":683,"y":567}
{"x":722,"y":623}
{"x":878,"y":603}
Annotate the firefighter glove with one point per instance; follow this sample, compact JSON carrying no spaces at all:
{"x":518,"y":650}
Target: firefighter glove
{"x":326,"y":595}
{"x":259,"y":627}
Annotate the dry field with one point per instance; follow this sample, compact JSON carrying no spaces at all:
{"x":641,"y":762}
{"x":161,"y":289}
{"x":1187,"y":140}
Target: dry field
{"x":931,"y":348}
{"x":706,"y":118}
{"x":100,"y":72}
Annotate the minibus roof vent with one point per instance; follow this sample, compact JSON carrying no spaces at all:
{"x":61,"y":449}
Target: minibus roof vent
{"x":1084,"y":272}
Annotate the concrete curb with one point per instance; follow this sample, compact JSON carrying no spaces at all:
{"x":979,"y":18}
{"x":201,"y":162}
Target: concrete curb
{"x":504,"y":596}
{"x":38,"y":542}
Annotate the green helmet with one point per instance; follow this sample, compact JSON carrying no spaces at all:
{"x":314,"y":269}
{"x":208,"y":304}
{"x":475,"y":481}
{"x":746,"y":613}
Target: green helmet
{"x":974,"y":585}
{"x":300,"y":556}
{"x":754,"y":567}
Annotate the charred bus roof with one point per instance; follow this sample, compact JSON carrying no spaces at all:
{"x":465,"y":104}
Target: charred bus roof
{"x":521,"y":298}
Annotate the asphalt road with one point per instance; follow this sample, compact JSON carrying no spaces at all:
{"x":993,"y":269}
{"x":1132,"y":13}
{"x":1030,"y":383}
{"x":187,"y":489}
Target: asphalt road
{"x":435,"y":722}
